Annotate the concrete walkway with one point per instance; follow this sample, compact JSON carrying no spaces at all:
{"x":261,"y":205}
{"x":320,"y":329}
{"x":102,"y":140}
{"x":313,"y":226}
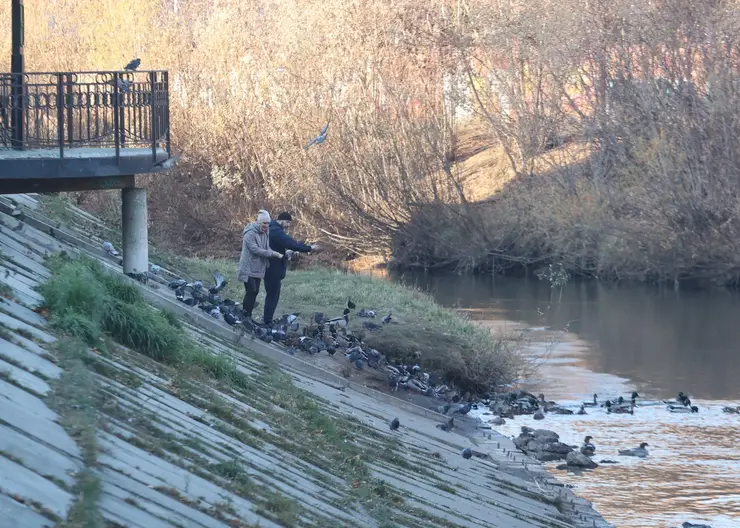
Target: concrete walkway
{"x":173,"y":451}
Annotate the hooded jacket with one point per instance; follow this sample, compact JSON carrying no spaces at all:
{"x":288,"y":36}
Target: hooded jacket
{"x":255,"y":253}
{"x":281,"y":241}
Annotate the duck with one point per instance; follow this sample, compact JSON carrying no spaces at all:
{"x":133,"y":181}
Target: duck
{"x":683,"y":408}
{"x":731,"y":410}
{"x":681,"y":399}
{"x":588,"y":448}
{"x":552,"y":407}
{"x":544,"y":403}
{"x":559,"y":410}
{"x":635,"y":451}
{"x":621,"y":408}
{"x":582,"y":410}
{"x":622,"y":402}
{"x":594,"y":403}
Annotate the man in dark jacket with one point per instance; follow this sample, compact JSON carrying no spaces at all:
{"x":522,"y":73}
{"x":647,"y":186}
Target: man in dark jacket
{"x":281,"y":243}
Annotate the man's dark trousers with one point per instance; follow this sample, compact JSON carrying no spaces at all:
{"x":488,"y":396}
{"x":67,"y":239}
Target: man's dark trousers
{"x":273,"y":282}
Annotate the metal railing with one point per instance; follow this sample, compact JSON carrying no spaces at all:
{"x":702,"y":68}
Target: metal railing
{"x":64,"y":110}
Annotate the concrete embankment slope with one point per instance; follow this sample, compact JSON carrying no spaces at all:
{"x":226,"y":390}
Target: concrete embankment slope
{"x":174,"y":449}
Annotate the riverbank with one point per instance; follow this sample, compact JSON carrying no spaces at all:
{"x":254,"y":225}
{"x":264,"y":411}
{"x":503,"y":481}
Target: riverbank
{"x":184,"y":427}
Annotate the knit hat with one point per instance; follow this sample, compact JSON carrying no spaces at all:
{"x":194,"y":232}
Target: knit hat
{"x":263,"y":216}
{"x":285,"y":216}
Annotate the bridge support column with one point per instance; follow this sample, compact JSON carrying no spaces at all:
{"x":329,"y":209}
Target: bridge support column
{"x":135,"y":231}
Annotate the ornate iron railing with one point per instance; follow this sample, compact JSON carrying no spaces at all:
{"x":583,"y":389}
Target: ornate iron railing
{"x":66,"y":110}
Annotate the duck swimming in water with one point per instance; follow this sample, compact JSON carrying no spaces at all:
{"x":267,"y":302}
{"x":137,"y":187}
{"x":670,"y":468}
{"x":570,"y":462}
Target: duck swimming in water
{"x":731,"y":410}
{"x":681,"y":399}
{"x":683,"y":409}
{"x":588,"y":448}
{"x":582,"y":410}
{"x":623,"y":408}
{"x":594,"y":403}
{"x":635,"y":451}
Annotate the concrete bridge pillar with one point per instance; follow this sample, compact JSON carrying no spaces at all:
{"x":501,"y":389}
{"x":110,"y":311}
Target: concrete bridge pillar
{"x":135,"y":231}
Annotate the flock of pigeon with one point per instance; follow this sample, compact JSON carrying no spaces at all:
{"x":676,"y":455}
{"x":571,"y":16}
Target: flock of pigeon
{"x":321,"y":334}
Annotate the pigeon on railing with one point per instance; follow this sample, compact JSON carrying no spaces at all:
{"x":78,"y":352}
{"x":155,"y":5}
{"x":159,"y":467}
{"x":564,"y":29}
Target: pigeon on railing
{"x":320,"y":138}
{"x":131,"y":66}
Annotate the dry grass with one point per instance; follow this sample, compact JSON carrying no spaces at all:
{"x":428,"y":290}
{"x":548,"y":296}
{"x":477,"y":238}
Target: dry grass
{"x":450,"y":343}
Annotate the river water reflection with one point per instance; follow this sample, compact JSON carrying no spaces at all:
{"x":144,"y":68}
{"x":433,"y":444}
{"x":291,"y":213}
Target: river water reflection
{"x":620,"y":339}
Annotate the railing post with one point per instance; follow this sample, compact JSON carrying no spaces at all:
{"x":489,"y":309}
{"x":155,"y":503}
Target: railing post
{"x":121,"y":120}
{"x":68,"y":96}
{"x":154,"y":117}
{"x":115,"y":117}
{"x":166,"y":109}
{"x":60,"y":115}
{"x":17,"y":83}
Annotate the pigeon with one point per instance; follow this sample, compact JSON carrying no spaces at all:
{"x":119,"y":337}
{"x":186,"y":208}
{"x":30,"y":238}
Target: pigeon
{"x":155,"y":269}
{"x":220,"y":283}
{"x":331,"y":351}
{"x":318,"y":318}
{"x":354,"y":353}
{"x":447,"y":426}
{"x":123,"y":85}
{"x":387,"y":319}
{"x":131,"y":66}
{"x":177,"y":283}
{"x":359,"y":364}
{"x":370,"y":314}
{"x":108,"y":248}
{"x":231,"y":319}
{"x":320,"y":138}
{"x":351,"y":305}
{"x":467,"y":453}
{"x":394,"y":424}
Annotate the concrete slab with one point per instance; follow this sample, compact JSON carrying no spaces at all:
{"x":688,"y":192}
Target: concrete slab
{"x":25,"y":379}
{"x":22,"y":482}
{"x":28,"y":360}
{"x":13,"y":514}
{"x":21,"y":312}
{"x":36,"y":427}
{"x":38,"y":457}
{"x":15,"y":324}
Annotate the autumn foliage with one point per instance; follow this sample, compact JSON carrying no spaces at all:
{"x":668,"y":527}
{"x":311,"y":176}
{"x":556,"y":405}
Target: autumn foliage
{"x":600,"y":134}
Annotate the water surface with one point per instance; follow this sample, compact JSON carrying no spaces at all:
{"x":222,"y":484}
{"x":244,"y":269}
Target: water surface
{"x":612,"y":340}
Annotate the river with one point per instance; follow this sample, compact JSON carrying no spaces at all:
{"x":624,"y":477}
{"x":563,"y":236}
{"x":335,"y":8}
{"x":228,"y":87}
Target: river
{"x":611,"y":340}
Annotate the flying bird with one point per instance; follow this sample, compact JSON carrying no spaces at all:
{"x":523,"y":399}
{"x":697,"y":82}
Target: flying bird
{"x":320,"y":138}
{"x":131,"y":66}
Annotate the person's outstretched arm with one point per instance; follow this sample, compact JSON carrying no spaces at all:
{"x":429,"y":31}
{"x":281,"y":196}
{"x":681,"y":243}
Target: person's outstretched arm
{"x":288,"y":242}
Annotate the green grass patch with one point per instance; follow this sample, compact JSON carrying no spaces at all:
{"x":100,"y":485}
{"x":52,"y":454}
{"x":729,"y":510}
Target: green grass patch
{"x":448,"y":342}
